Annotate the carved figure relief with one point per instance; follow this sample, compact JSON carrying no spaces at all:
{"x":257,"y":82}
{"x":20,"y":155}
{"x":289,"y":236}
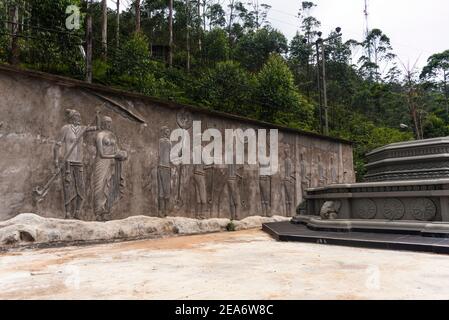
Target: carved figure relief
{"x":364,"y":208}
{"x":265,"y":190}
{"x":422,"y":209}
{"x":305,"y":176}
{"x":330,"y":210}
{"x":108,"y":179}
{"x":333,"y":172}
{"x":164,"y":172}
{"x":289,"y":182}
{"x":393,"y":209}
{"x":233,"y":182}
{"x":199,"y":182}
{"x":322,"y":177}
{"x":70,"y":140}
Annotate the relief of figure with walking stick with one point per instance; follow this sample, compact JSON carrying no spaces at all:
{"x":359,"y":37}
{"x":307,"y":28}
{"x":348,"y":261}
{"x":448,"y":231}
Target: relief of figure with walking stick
{"x":70,"y":142}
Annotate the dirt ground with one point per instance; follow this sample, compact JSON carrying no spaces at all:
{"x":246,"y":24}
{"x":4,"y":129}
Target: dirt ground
{"x":240,"y":265}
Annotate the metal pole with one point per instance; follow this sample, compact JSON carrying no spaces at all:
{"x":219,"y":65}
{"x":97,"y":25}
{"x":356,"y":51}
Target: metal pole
{"x":326,"y":118}
{"x":89,"y":42}
{"x":318,"y":72}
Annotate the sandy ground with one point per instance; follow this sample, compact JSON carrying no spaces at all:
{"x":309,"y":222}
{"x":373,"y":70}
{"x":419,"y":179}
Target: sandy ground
{"x":240,"y":265}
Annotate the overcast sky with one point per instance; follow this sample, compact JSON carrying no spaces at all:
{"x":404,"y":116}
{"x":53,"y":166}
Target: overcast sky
{"x":417,"y":28}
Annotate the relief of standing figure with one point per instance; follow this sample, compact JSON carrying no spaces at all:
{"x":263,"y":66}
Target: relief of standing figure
{"x":265,"y":189}
{"x":108,"y":179}
{"x":199,"y":182}
{"x":234,"y":191}
{"x":164,"y":172}
{"x":70,"y":140}
{"x":305,"y":176}
{"x":289,"y":182}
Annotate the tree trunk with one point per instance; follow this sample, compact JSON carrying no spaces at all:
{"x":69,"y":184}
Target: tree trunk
{"x":170,"y":28}
{"x":198,"y":8}
{"x":104,"y":28}
{"x":89,"y":42}
{"x":117,"y":30}
{"x":137,"y":15}
{"x":14,"y":29}
{"x":188,"y":34}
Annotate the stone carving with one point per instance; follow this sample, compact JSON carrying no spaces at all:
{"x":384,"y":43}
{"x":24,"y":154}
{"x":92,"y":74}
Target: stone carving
{"x":365,"y":208}
{"x":234,"y":191}
{"x":422,"y":209}
{"x":265,"y":190}
{"x":164,"y":172}
{"x":302,"y":209}
{"x":108,"y":179}
{"x":330,"y":210}
{"x":289,"y":182}
{"x":305,"y":177}
{"x":184,"y":119}
{"x":70,"y":140}
{"x":199,"y":182}
{"x":333,"y":172}
{"x":393,"y":209}
{"x":322,"y":177}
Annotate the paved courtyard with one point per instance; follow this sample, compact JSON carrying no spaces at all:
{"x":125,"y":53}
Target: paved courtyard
{"x":240,"y":265}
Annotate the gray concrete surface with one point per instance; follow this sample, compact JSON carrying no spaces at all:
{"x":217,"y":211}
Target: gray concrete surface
{"x":240,"y":265}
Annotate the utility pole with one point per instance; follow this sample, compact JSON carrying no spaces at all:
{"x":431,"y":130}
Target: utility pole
{"x":170,"y":28}
{"x":137,"y":16}
{"x":323,"y":102}
{"x":104,"y":28}
{"x":318,"y":73}
{"x":89,"y":42}
{"x":117,"y":30}
{"x":326,"y":112}
{"x":14,"y":29}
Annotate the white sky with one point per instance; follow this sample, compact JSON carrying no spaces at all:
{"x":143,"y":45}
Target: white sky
{"x":417,"y":28}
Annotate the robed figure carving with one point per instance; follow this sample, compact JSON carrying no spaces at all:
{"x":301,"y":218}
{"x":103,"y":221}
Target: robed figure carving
{"x":108,"y":179}
{"x":164,"y":172}
{"x":69,"y":146}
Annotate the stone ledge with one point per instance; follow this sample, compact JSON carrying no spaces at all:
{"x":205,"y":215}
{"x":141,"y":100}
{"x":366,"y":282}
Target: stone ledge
{"x":32,"y":230}
{"x":437,"y":229}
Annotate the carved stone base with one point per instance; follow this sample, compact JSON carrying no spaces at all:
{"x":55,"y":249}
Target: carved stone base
{"x":434,"y":229}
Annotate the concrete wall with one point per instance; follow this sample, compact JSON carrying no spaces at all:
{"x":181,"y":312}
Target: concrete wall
{"x":32,"y":112}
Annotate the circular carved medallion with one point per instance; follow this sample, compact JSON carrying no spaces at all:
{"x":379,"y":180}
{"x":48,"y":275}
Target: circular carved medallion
{"x":393,"y":209}
{"x":184,"y":119}
{"x":422,"y":209}
{"x":365,"y":208}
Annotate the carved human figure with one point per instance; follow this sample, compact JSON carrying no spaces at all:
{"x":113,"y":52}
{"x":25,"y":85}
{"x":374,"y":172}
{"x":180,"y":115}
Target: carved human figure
{"x":333,"y":172}
{"x":321,"y":173}
{"x":289,"y":182}
{"x":305,"y":177}
{"x":234,"y":191}
{"x":70,"y":142}
{"x":108,"y":179}
{"x":265,"y":189}
{"x":164,"y":172}
{"x":199,"y":181}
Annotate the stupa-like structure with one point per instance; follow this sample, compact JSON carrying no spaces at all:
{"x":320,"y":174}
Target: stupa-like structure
{"x":406,"y":192}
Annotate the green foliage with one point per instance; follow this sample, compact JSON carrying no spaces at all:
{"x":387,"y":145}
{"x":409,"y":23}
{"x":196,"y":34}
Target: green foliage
{"x":216,"y":46}
{"x":277,"y":95}
{"x":256,"y":47}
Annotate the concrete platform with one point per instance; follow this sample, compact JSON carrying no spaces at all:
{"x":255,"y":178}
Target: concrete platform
{"x":287,"y":231}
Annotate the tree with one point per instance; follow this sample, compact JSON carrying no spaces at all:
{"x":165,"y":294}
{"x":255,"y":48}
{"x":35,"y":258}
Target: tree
{"x":278,"y":96}
{"x":255,"y":47}
{"x":216,"y":46}
{"x":227,"y":87}
{"x":379,"y":46}
{"x":437,"y":71}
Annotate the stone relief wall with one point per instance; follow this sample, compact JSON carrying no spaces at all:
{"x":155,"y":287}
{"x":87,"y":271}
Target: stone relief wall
{"x":71,"y":150}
